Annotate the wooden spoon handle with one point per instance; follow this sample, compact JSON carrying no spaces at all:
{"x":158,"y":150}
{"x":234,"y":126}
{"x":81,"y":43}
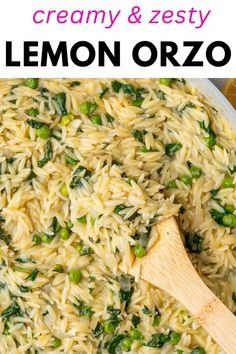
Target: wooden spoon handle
{"x":220,"y":323}
{"x":168,"y":267}
{"x":209,"y":311}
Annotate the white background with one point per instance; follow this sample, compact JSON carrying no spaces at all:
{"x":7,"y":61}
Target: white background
{"x":16,"y":25}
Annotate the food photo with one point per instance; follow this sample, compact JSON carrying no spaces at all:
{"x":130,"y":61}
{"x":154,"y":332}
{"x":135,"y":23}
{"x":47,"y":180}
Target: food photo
{"x":94,"y":175}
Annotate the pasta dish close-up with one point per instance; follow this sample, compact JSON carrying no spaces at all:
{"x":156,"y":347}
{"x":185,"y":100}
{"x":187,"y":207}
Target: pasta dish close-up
{"x":87,"y":167}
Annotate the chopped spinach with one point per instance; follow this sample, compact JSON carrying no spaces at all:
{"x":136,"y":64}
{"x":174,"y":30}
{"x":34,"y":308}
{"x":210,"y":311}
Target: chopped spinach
{"x":116,"y":85}
{"x":170,"y":149}
{"x":48,"y":154}
{"x":83,"y":310}
{"x":79,"y":173}
{"x":146,"y":311}
{"x":119,"y":208}
{"x":35,"y":123}
{"x":42,"y":91}
{"x":138,"y":135}
{"x":2,"y":285}
{"x":194,"y":242}
{"x":58,"y":268}
{"x":33,"y":112}
{"x":6,"y":330}
{"x":211,"y":135}
{"x":157,"y":317}
{"x":98,"y":330}
{"x":188,"y":105}
{"x":30,"y":176}
{"x":70,"y":160}
{"x":32,"y":276}
{"x":217,"y":216}
{"x":60,"y":103}
{"x":135,"y":320}
{"x":208,"y":129}
{"x":5,"y":237}
{"x":55,"y":226}
{"x":10,"y":160}
{"x":114,"y":315}
{"x":232,"y":170}
{"x":12,"y":310}
{"x":14,"y":87}
{"x":137,"y":98}
{"x":157,"y":340}
{"x":109,"y":118}
{"x":113,"y":344}
{"x":24,"y":289}
{"x":214,"y":192}
{"x":23,"y":260}
{"x":135,"y":93}
{"x":70,"y":157}
{"x":161,"y":95}
{"x":75,"y":84}
{"x":103,"y":92}
{"x":126,"y":291}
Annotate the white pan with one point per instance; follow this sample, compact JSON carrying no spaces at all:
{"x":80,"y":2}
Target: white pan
{"x":216,"y":98}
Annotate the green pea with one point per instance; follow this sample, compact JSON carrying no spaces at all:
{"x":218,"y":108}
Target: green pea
{"x":64,"y":234}
{"x":46,"y":238}
{"x":229,"y":207}
{"x":64,"y":191}
{"x":172,"y":184}
{"x":143,"y":149}
{"x":66,"y":119}
{"x":109,"y":327}
{"x":228,"y":182}
{"x":56,"y":342}
{"x":196,"y":172}
{"x":135,"y":334}
{"x":166,"y":82}
{"x":37,"y":239}
{"x":32,"y":83}
{"x":84,"y":107}
{"x":96,"y":119}
{"x":74,"y":276}
{"x":82,"y":220}
{"x":179,"y":351}
{"x":174,"y":338}
{"x":198,"y":350}
{"x":139,"y":251}
{"x":186,"y":180}
{"x":88,"y":107}
{"x":126,"y":344}
{"x":44,"y":132}
{"x":229,"y":220}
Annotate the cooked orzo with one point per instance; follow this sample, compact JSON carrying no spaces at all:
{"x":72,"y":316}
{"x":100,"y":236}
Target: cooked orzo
{"x":86,"y":168}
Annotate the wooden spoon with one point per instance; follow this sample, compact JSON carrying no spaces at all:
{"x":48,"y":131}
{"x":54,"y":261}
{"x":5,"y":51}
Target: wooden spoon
{"x":168,"y":267}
